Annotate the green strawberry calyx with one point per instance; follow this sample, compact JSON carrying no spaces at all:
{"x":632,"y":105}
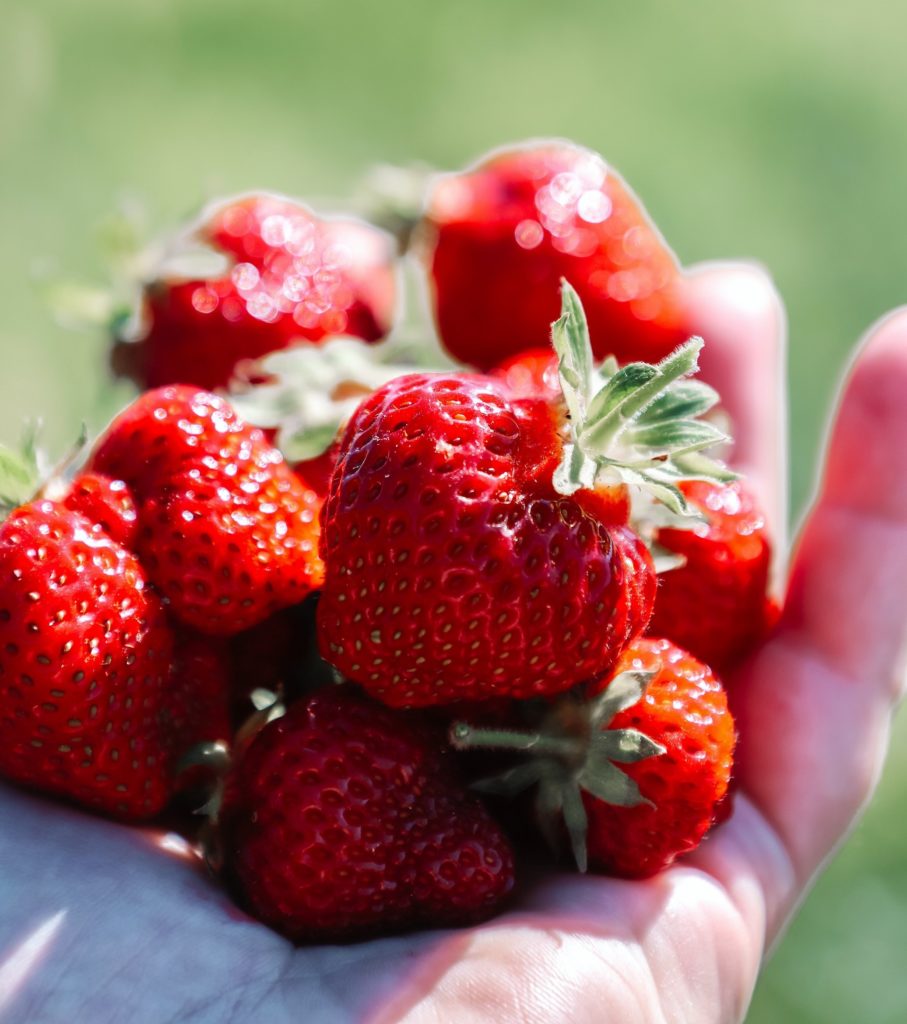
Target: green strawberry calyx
{"x":310,"y":390}
{"x":637,"y":424}
{"x":27,"y":475}
{"x":573,"y":752}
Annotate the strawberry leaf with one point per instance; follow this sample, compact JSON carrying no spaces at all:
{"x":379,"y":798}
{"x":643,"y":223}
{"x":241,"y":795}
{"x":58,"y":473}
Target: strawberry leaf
{"x":605,"y":782}
{"x":687,"y":399}
{"x":638,"y":424}
{"x":621,"y":693}
{"x":570,"y":336}
{"x":311,"y":390}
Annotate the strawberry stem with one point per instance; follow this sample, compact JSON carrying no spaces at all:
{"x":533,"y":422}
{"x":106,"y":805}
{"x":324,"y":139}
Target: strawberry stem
{"x":467,"y":737}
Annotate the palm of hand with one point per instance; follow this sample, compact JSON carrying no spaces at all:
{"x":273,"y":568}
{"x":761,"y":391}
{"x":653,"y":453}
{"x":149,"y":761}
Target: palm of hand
{"x":99,"y":924}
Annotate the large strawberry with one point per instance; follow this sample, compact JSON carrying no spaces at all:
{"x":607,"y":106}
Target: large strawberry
{"x":636,"y":766}
{"x":473,"y":539}
{"x":716,"y":603}
{"x":226,"y":530}
{"x":501,"y":235}
{"x":85,"y":662}
{"x":344,"y":818}
{"x":287,"y":276}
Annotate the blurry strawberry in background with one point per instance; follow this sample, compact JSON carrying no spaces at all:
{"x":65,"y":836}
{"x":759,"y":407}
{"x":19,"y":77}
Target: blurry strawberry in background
{"x":499,"y":237}
{"x":256,"y":274}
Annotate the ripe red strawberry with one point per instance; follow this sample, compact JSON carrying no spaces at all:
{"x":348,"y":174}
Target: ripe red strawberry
{"x":716,"y":605}
{"x":502,"y":235}
{"x":226,"y":530}
{"x":344,"y":818}
{"x":85,"y":658}
{"x":684,"y":710}
{"x":291,"y":276}
{"x":637,"y":768}
{"x":473,"y":539}
{"x":454,"y":570}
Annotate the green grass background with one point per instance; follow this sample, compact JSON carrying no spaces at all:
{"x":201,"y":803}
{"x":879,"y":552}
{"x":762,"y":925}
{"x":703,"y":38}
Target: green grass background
{"x":772,"y":130}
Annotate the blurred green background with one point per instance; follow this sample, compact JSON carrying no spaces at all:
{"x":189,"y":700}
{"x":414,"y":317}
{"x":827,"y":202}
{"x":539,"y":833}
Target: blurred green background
{"x":773,"y":131}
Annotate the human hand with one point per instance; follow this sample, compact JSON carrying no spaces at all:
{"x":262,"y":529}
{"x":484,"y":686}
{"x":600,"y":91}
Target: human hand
{"x":100,"y":923}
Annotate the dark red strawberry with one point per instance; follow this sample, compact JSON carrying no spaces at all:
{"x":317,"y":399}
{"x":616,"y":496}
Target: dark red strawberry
{"x":716,"y":604}
{"x":85,"y":660}
{"x":501,"y":236}
{"x":290,"y":276}
{"x":343,"y":819}
{"x":227,"y":531}
{"x":636,"y":767}
{"x":470,"y":535}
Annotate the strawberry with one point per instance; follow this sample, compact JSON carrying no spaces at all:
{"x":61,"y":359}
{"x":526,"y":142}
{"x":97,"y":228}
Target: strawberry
{"x":289,"y":276}
{"x":470,"y":552}
{"x":716,"y":604}
{"x":454,"y":569}
{"x":343,"y":818}
{"x":85,"y":659}
{"x":636,"y":766}
{"x":227,"y":532}
{"x":501,"y":235}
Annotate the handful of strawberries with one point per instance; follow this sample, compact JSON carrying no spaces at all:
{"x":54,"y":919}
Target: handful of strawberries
{"x":520,"y":580}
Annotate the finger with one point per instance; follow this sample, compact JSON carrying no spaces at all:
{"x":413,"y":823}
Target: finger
{"x":738,"y":312}
{"x":814,"y":707}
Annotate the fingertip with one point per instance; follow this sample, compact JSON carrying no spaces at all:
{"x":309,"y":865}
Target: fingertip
{"x":736,"y":308}
{"x":866,"y":464}
{"x":737,"y":304}
{"x":885,"y":339}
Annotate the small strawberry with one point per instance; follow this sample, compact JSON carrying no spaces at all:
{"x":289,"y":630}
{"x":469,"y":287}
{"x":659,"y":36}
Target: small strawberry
{"x":636,"y":766}
{"x":288,"y":276}
{"x":226,"y":530}
{"x":716,"y":604}
{"x":85,"y":660}
{"x":473,"y":539}
{"x":501,"y":236}
{"x":342,"y":819}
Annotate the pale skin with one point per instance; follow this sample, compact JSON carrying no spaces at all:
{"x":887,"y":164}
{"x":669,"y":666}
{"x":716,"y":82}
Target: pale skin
{"x":101,"y":923}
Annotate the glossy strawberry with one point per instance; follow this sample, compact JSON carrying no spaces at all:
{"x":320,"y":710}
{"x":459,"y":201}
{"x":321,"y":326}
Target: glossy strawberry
{"x":635,"y":767}
{"x":85,"y":661}
{"x":344,"y":818}
{"x":716,"y":605}
{"x":454,"y":569}
{"x":226,"y":530}
{"x":289,"y":276}
{"x":683,"y":710}
{"x":474,"y":539}
{"x":501,"y":236}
